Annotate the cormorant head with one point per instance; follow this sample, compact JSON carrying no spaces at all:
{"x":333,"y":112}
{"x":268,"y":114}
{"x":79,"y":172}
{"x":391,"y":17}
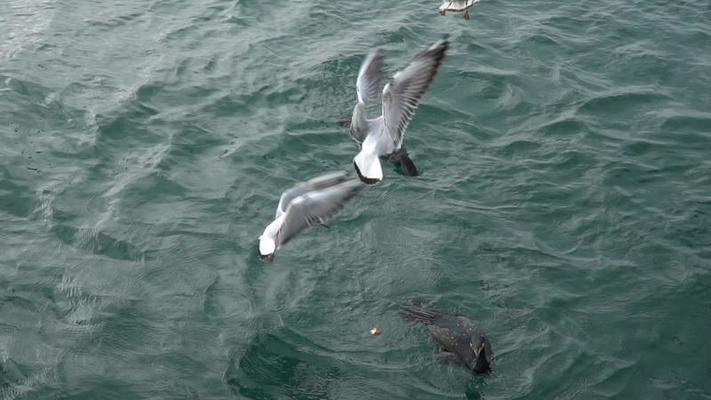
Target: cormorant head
{"x":482,"y":359}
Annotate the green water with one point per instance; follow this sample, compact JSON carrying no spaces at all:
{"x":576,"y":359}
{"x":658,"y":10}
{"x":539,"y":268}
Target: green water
{"x":564,"y":200}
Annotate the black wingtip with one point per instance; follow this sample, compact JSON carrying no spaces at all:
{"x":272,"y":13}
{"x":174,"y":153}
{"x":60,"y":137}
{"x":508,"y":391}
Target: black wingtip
{"x":364,"y":179}
{"x":406,"y":163}
{"x":437,"y":51}
{"x":444,"y":42}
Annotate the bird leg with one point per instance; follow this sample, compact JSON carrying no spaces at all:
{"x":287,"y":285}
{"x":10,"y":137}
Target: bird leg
{"x":442,"y":12}
{"x":466,"y":14}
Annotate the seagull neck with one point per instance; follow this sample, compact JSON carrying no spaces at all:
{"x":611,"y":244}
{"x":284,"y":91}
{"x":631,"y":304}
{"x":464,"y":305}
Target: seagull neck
{"x":273,"y":228}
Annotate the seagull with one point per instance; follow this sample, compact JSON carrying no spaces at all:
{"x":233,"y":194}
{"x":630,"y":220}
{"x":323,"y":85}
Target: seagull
{"x":306,"y":204}
{"x":457,"y":6}
{"x":384,"y":135}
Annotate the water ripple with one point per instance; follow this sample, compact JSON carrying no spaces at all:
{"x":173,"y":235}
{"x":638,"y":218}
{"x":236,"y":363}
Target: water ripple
{"x":563,"y":200}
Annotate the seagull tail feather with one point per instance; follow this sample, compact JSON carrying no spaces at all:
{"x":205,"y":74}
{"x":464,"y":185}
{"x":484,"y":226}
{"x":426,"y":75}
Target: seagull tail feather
{"x":367,"y":165}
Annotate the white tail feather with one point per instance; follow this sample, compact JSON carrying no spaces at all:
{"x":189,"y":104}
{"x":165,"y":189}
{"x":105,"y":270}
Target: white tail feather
{"x":368,"y":167}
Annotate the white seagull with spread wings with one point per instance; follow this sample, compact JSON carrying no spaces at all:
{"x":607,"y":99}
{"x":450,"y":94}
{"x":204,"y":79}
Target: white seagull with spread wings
{"x":457,"y":6}
{"x":306,"y":204}
{"x":384,"y":135}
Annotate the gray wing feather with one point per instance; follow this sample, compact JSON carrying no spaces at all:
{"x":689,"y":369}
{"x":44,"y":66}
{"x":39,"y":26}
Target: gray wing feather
{"x":402,"y":95}
{"x":368,"y":82}
{"x":315,"y":207}
{"x":457,"y":5}
{"x":317,"y":183}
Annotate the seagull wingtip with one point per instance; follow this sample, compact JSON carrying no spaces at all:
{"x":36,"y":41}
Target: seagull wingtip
{"x":441,"y":45}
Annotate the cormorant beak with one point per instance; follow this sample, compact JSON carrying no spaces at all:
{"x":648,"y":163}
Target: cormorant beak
{"x":478,"y":350}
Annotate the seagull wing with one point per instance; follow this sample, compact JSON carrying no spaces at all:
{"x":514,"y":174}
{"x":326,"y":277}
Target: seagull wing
{"x":402,"y":95}
{"x":457,"y":5}
{"x":315,"y":207}
{"x":317,"y":183}
{"x":368,"y":83}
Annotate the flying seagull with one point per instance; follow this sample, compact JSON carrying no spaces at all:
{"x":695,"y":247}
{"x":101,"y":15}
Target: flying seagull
{"x":457,"y":6}
{"x":306,"y":204}
{"x":384,"y":135}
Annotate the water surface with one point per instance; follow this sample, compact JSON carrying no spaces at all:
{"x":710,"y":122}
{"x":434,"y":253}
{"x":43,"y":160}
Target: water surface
{"x":564,"y":200}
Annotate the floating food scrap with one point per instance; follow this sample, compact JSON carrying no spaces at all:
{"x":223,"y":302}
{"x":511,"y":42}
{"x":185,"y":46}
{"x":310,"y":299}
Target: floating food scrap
{"x":376,"y":331}
{"x":457,"y":6}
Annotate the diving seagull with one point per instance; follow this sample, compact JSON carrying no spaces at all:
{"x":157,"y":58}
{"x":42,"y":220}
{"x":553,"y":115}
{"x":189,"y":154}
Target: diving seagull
{"x":384,"y":135}
{"x":457,"y":6}
{"x":306,"y":204}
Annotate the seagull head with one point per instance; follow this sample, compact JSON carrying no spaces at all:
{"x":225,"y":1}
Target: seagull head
{"x":267,"y":247}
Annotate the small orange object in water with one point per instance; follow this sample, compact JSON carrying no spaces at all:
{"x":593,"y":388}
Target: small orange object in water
{"x":376,"y":331}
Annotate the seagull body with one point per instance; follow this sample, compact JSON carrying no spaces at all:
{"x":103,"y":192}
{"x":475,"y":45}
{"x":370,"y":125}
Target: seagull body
{"x":306,"y":204}
{"x":384,"y":135}
{"x":457,"y":6}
